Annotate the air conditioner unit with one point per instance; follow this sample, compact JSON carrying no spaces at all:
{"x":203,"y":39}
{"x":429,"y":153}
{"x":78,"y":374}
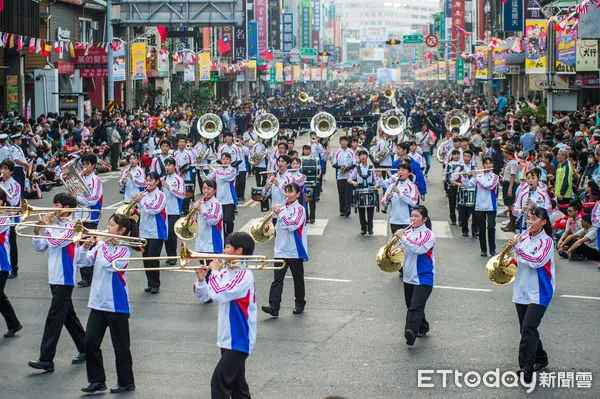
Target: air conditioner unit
{"x":94,"y":25}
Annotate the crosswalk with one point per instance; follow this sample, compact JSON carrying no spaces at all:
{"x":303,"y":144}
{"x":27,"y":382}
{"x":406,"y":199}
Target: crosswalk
{"x":315,"y":229}
{"x":109,"y":176}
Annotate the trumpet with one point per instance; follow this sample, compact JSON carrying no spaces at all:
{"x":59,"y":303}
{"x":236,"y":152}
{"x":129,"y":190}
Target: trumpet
{"x":81,"y":233}
{"x":186,"y":256}
{"x":390,"y":257}
{"x":25,"y":211}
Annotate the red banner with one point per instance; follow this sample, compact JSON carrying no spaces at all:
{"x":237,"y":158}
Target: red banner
{"x":92,"y":62}
{"x":64,"y":67}
{"x":458,"y":20}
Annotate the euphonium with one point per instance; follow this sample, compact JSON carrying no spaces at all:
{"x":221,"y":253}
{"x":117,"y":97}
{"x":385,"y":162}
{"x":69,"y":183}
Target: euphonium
{"x":499,"y":268}
{"x":71,"y":178}
{"x":263,"y":230}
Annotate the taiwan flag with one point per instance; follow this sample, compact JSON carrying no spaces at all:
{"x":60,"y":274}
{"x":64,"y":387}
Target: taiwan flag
{"x":267,"y":55}
{"x":224,"y":45}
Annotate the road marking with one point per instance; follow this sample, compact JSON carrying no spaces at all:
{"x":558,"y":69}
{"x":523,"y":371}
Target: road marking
{"x":316,"y":229}
{"x":580,"y":297}
{"x":441,"y":229}
{"x":109,"y":176}
{"x":254,"y":203}
{"x":462,"y":288}
{"x":380,"y":227}
{"x":114,"y":206}
{"x":335,"y":280}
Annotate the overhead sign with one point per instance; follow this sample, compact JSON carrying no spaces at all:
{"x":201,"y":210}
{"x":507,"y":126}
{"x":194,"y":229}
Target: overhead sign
{"x":431,"y":41}
{"x":308,"y":51}
{"x":412,"y":39}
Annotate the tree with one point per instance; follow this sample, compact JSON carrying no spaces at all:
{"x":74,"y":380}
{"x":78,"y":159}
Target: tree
{"x":196,"y":97}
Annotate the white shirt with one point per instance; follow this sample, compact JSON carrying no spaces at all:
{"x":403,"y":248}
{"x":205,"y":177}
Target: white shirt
{"x":210,"y":236}
{"x":290,"y":232}
{"x":61,"y":253}
{"x":175,"y":194}
{"x":535,"y":281}
{"x":419,"y":256}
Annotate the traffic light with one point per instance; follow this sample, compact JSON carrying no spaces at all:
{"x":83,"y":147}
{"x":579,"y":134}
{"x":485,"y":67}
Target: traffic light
{"x":324,"y":54}
{"x":392,"y":42}
{"x":395,"y":62}
{"x":214,"y":75}
{"x":356,"y":65}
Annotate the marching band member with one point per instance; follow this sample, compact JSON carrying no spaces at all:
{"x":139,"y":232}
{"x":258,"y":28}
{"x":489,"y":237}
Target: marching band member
{"x":415,"y":156}
{"x":15,"y":154}
{"x":174,"y":188}
{"x":450,"y":177}
{"x":230,"y":148}
{"x":363,"y":176}
{"x":510,"y":183}
{"x":225,"y":178}
{"x":297,"y":176}
{"x":533,"y":195}
{"x":466,"y":181}
{"x":311,"y":209}
{"x":242,"y":169}
{"x":419,"y":271}
{"x":486,"y":207}
{"x":317,"y":150}
{"x":402,"y":194}
{"x":280,"y":149}
{"x":290,"y":246}
{"x":153,"y":226}
{"x":13,"y":198}
{"x":61,"y":277}
{"x":402,"y":152}
{"x":158,"y":162}
{"x":234,"y":290}
{"x":383,"y":144}
{"x":256,"y":149}
{"x":109,"y":308}
{"x":6,"y":309}
{"x":186,"y":161}
{"x":209,"y":217}
{"x":94,"y":202}
{"x":276,"y":184}
{"x":343,"y":162}
{"x":533,"y":287}
{"x":204,"y":150}
{"x":133,"y":179}
{"x":250,"y":137}
{"x":455,"y":146}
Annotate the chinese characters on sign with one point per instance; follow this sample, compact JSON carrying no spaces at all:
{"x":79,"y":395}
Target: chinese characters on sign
{"x":94,"y":63}
{"x":587,"y":55}
{"x":306,"y":23}
{"x":252,"y":41}
{"x":513,"y":15}
{"x":288,"y":31}
{"x":260,"y":16}
{"x":458,"y":21}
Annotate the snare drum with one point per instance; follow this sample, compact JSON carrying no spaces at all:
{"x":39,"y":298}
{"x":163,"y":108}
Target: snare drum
{"x":308,"y":194}
{"x":189,"y":189}
{"x":311,"y":168}
{"x":366,"y":197}
{"x":466,"y":197}
{"x":256,"y":194}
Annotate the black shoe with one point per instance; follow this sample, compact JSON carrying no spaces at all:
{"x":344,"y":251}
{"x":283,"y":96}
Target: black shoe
{"x":78,"y":359}
{"x":526,"y":375}
{"x":540,"y":366}
{"x":342,"y":214}
{"x":363,"y":232}
{"x":38,"y":364}
{"x":298,"y":310}
{"x":475,"y":234}
{"x":13,"y":332}
{"x":410,"y":337}
{"x":492,"y":252}
{"x":154,"y":290}
{"x":312,"y":221}
{"x":84,"y":283}
{"x":453,"y":223}
{"x":171,"y":262}
{"x":484,"y":254}
{"x":348,"y":214}
{"x":147,"y":289}
{"x":12,"y":274}
{"x":370,"y":232}
{"x":235,"y":212}
{"x":422,"y":334}
{"x":465,"y":234}
{"x":94,"y":387}
{"x":401,"y":273}
{"x":268,"y":310}
{"x":119,"y":389}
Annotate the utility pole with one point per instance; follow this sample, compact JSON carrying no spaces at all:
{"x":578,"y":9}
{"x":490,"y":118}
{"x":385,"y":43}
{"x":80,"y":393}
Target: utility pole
{"x":550,"y":64}
{"x":109,"y":39}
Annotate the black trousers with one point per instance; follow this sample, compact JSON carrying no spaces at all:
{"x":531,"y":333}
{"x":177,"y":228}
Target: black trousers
{"x":296,"y":266}
{"x":171,"y":242}
{"x":229,"y":377}
{"x":311,"y":210}
{"x":365,"y":215}
{"x":396,"y":227}
{"x":228,"y":218}
{"x":261,"y":178}
{"x":416,"y":297}
{"x":486,"y":223}
{"x":190,"y":187}
{"x":464,"y":213}
{"x":531,"y":350}
{"x":14,"y":250}
{"x":452,"y":195}
{"x":88,"y":272}
{"x":118,"y":324}
{"x":61,"y":313}
{"x":240,"y":185}
{"x":344,"y":195}
{"x":153,"y":249}
{"x":588,"y":252}
{"x":115,"y":150}
{"x":6,"y":309}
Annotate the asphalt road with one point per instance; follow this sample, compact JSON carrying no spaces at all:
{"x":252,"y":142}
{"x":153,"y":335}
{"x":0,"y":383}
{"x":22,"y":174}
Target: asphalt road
{"x":349,"y":341}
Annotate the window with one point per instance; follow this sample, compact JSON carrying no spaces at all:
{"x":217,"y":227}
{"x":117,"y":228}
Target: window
{"x":85,"y":30}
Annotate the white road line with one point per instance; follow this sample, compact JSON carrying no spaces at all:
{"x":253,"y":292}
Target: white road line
{"x":580,"y":297}
{"x":441,"y":229}
{"x":114,"y":206}
{"x":380,"y":227}
{"x":462,"y":288}
{"x":335,"y":280}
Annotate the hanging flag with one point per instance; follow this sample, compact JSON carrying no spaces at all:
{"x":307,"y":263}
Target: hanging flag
{"x":162,"y":31}
{"x":57,"y":47}
{"x":224,"y":45}
{"x":1,"y":5}
{"x":267,"y":54}
{"x":28,"y":111}
{"x":32,"y":45}
{"x":71,"y":50}
{"x":38,"y":46}
{"x":46,"y":49}
{"x":19,"y":43}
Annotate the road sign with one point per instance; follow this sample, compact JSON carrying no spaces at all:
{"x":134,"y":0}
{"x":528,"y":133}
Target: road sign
{"x":431,"y":41}
{"x":460,"y":69}
{"x":307,"y":51}
{"x":111,"y":106}
{"x":412,"y":39}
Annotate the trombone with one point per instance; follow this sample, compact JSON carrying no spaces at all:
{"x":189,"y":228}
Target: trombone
{"x":186,"y":256}
{"x":25,"y":211}
{"x":81,"y":233}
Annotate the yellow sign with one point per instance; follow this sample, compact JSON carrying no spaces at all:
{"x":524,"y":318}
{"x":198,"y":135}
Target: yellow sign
{"x":204,"y":66}
{"x":251,"y":71}
{"x":481,"y":62}
{"x":279,"y":72}
{"x":138,"y":61}
{"x":535,"y":46}
{"x":296,"y":73}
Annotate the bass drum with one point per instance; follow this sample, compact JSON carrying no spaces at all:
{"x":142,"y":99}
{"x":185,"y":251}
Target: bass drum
{"x":312,"y":169}
{"x":440,"y":152}
{"x":256,"y":194}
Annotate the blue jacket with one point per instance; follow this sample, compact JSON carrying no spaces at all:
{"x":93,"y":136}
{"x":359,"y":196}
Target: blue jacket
{"x":416,"y":170}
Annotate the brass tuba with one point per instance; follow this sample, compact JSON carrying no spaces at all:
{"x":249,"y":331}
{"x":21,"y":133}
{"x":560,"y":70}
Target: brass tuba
{"x":72,"y":179}
{"x":323,"y":124}
{"x":388,"y":93}
{"x":393,"y":122}
{"x":210,"y":125}
{"x":303,"y":96}
{"x":457,"y":118}
{"x":499,"y":268}
{"x":267,"y":126}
